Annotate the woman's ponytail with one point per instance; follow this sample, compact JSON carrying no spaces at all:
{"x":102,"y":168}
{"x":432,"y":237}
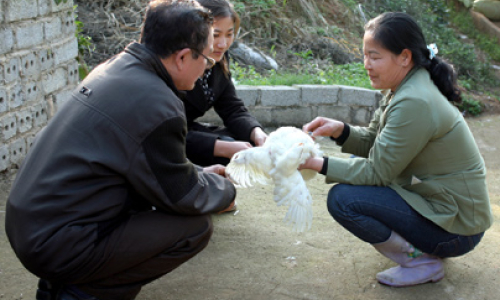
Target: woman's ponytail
{"x":445,"y":78}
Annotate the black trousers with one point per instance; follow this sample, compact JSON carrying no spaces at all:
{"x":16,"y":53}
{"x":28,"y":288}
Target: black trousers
{"x":146,"y":246}
{"x":200,"y":150}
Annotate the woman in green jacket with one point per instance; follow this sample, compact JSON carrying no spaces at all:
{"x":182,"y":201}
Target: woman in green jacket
{"x":415,"y":188}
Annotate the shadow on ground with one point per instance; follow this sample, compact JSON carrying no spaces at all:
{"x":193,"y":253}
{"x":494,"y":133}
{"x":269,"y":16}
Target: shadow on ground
{"x":253,"y":255}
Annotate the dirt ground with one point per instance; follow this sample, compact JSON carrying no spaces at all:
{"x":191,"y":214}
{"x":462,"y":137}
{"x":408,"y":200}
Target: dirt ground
{"x":253,"y":255}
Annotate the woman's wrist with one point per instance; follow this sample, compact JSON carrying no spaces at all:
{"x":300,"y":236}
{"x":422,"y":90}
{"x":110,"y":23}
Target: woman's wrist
{"x":220,"y":148}
{"x":258,"y":136}
{"x":344,"y":134}
{"x":324,"y":167}
{"x":315,"y":163}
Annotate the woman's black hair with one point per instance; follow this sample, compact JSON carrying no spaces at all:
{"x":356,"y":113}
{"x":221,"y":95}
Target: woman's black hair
{"x":397,"y":31}
{"x":223,"y":9}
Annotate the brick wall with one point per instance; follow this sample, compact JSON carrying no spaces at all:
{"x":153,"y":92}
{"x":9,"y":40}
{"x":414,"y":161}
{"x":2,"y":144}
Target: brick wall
{"x":37,"y":70}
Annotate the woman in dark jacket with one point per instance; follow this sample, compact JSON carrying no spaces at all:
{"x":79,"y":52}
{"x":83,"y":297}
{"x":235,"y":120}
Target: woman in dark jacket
{"x":206,"y":144}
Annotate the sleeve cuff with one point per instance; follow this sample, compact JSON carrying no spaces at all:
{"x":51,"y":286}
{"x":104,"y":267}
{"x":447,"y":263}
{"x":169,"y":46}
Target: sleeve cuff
{"x":343,"y":137}
{"x":325,"y":166}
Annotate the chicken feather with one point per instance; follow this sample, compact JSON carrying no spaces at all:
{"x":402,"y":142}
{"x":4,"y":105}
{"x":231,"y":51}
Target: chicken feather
{"x":276,"y":162}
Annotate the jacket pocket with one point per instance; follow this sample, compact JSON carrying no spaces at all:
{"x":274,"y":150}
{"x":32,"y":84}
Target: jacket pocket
{"x":438,"y":197}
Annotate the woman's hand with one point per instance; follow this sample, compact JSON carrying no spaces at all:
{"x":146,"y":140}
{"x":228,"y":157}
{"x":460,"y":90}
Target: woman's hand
{"x":313,"y":163}
{"x":322,"y":126}
{"x":228,"y":149}
{"x":258,"y":136}
{"x":216,"y":169}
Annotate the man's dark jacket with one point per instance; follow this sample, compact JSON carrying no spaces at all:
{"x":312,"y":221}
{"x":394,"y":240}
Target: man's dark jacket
{"x":119,"y":141}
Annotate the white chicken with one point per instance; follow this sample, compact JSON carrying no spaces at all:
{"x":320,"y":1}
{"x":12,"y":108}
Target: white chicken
{"x":276,"y":162}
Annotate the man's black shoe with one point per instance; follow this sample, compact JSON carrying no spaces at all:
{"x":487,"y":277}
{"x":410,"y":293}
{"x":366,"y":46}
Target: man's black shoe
{"x":71,"y":292}
{"x":47,"y":290}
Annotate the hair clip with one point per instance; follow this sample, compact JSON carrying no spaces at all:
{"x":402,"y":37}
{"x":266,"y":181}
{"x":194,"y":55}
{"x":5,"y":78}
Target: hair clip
{"x":433,"y":50}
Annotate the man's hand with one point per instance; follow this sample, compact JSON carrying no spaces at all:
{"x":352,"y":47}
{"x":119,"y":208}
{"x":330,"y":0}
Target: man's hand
{"x":216,"y":169}
{"x":231,"y":207}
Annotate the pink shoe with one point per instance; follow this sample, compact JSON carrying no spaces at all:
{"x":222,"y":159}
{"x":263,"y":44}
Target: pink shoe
{"x":422,"y":269}
{"x":414,"y":267}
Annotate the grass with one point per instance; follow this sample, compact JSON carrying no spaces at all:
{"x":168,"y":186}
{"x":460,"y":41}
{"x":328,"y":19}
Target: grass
{"x":351,"y":74}
{"x":471,"y":106}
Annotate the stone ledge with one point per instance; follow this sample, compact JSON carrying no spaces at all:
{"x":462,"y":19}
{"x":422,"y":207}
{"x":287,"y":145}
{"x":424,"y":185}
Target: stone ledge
{"x":276,"y":106}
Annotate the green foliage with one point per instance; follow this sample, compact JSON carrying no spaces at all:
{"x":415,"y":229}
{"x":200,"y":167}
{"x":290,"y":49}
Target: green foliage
{"x":321,"y":31}
{"x":242,"y":74}
{"x":496,"y":97}
{"x":256,"y":7}
{"x":84,"y":41}
{"x":471,"y":106}
{"x":260,"y":4}
{"x":351,"y":75}
{"x":59,"y":1}
{"x":463,"y":21}
{"x":84,"y":44}
{"x":305,"y":55}
{"x":466,"y":83}
{"x":273,"y":51}
{"x":352,"y":4}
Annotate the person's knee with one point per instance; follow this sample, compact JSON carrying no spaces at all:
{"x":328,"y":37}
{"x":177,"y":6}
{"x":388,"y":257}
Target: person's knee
{"x":209,"y":228}
{"x":336,"y":201}
{"x":202,"y":232}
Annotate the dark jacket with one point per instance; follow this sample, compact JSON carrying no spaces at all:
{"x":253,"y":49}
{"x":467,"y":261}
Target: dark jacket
{"x":118,"y":142}
{"x":231,"y":109}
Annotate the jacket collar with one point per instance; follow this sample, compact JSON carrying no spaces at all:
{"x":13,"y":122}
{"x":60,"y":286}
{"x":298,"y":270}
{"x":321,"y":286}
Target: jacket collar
{"x":149,"y":58}
{"x":388,"y":94}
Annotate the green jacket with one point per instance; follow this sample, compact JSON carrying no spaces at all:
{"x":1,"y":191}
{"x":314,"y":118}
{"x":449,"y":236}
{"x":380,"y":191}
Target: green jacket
{"x":419,"y":144}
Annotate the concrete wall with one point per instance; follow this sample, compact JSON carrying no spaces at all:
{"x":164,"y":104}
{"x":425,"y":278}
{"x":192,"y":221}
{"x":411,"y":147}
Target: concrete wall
{"x":37,"y":70}
{"x":276,"y":106}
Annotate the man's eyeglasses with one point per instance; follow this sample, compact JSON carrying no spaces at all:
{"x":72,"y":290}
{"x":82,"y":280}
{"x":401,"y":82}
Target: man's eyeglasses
{"x":210,"y":61}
